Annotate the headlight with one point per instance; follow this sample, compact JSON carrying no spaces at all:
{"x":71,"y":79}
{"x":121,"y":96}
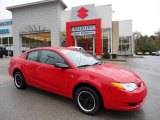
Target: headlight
{"x":125,"y":86}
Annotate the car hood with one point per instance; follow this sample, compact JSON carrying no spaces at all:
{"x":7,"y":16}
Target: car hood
{"x":115,"y":73}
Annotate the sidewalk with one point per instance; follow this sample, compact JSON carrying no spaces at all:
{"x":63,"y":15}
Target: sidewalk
{"x":4,"y":76}
{"x":118,"y":59}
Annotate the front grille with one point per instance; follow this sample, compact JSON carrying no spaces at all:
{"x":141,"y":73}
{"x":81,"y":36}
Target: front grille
{"x":134,"y":104}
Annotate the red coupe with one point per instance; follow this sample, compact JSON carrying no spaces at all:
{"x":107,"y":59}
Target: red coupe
{"x":79,"y":76}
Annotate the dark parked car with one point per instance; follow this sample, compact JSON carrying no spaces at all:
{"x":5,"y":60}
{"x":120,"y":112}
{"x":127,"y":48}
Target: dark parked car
{"x":3,"y":51}
{"x":10,"y":52}
{"x":153,"y":53}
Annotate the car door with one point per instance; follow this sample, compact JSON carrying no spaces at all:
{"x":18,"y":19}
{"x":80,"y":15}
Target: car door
{"x":29,"y":66}
{"x":50,"y":77}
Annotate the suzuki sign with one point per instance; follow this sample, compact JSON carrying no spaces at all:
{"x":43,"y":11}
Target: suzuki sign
{"x":83,"y":30}
{"x":84,"y":12}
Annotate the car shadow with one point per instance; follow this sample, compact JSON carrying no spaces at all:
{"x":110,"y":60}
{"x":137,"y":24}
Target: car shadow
{"x":123,"y":115}
{"x":103,"y":114}
{"x":51,"y":95}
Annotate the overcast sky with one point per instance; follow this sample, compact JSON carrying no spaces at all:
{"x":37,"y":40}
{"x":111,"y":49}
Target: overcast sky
{"x":144,"y":13}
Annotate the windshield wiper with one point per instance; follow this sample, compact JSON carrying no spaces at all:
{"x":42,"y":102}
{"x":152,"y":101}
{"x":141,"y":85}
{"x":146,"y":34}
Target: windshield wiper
{"x":97,"y":63}
{"x":83,"y":66}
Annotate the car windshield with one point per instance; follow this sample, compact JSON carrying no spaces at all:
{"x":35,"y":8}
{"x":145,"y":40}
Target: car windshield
{"x":80,"y":59}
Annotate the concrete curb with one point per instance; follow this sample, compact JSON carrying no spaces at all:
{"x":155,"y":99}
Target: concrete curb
{"x":135,"y":56}
{"x":118,"y":60}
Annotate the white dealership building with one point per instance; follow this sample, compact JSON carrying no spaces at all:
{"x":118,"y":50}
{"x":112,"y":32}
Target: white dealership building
{"x":47,"y":23}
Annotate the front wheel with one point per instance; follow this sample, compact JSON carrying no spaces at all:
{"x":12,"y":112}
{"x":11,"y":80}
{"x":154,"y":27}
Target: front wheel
{"x":87,"y":100}
{"x":19,"y":80}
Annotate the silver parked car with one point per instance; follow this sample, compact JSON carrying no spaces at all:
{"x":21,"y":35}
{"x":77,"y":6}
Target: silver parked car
{"x":158,"y":53}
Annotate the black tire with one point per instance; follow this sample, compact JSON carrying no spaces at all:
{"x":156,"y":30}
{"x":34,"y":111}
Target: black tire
{"x":87,"y":100}
{"x":19,"y":80}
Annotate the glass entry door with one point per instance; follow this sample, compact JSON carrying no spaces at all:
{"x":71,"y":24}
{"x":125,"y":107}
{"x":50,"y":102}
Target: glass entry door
{"x":87,"y":44}
{"x":83,"y":43}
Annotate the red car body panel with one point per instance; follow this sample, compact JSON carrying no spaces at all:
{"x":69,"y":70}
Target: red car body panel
{"x":63,"y":81}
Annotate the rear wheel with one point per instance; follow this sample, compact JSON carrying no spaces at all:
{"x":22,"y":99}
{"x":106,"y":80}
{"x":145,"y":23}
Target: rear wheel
{"x":87,"y":100}
{"x":19,"y":80}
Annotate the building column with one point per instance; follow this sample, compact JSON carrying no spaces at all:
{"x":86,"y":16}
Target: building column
{"x":8,"y":46}
{"x":75,"y":41}
{"x":17,"y":44}
{"x":133,"y":45}
{"x":1,"y":42}
{"x":69,"y":34}
{"x":98,"y":37}
{"x":109,"y":43}
{"x":94,"y":51}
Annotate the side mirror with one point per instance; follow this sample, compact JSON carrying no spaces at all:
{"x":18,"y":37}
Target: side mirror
{"x":61,"y":65}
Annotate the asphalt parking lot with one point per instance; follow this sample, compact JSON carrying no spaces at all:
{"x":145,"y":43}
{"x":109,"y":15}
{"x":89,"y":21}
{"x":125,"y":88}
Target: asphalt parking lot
{"x":35,"y":104}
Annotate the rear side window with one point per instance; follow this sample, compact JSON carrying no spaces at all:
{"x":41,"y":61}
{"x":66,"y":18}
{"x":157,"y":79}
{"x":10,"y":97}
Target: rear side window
{"x":33,"y":56}
{"x":50,"y":57}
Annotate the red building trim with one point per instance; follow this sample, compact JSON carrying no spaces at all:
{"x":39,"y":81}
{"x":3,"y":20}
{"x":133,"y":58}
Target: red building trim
{"x":98,"y":40}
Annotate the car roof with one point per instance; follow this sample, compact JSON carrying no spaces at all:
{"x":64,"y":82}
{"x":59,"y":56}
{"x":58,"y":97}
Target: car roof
{"x":48,"y":48}
{"x":74,"y":47}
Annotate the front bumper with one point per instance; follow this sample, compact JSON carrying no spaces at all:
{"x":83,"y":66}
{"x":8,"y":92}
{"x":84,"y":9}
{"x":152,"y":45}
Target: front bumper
{"x":123,"y":100}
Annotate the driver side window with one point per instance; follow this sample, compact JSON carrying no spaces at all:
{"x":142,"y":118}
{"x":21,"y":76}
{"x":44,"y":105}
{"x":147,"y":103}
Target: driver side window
{"x":50,"y":57}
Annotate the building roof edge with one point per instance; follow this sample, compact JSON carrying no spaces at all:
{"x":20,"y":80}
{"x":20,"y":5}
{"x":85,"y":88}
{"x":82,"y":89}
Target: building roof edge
{"x":33,"y":3}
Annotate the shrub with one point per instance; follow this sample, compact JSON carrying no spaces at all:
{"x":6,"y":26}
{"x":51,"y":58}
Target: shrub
{"x":105,"y":55}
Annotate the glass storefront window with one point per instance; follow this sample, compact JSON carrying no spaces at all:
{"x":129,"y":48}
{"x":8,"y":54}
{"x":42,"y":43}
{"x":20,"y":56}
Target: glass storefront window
{"x":29,"y":42}
{"x":7,"y":42}
{"x":63,"y":39}
{"x":125,"y":45}
{"x":105,"y":40}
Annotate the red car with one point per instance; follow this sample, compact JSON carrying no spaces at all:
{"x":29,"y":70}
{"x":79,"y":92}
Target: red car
{"x":79,"y":76}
